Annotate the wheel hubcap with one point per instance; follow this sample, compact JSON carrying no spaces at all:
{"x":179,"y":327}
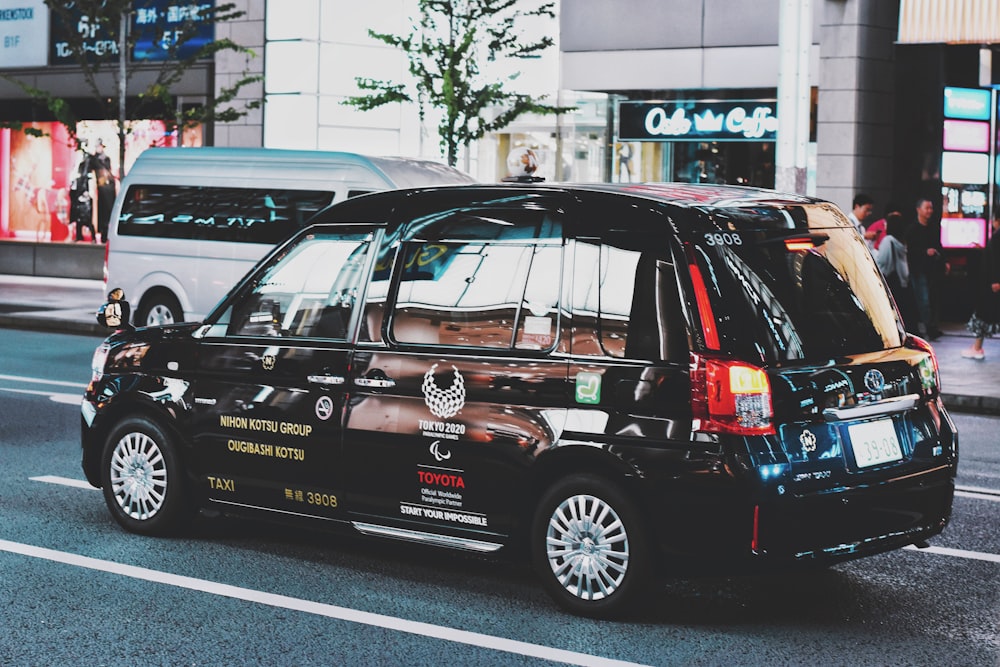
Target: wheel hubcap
{"x":159,"y":314}
{"x":587,"y":547}
{"x":138,"y":476}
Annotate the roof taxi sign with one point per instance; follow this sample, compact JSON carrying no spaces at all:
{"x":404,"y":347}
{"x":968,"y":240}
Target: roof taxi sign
{"x":691,"y":120}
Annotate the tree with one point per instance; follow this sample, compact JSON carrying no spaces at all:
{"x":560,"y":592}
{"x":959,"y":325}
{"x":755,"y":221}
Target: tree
{"x":444,"y":50}
{"x":98,"y":39}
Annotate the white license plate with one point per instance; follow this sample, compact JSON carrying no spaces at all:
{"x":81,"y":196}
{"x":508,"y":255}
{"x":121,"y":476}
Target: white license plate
{"x":874,"y":442}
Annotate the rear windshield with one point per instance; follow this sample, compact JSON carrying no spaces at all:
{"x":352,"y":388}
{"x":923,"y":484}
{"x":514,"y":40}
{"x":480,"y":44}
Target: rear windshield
{"x":792,"y":284}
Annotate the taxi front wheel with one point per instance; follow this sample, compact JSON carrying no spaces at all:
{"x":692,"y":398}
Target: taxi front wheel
{"x":589,"y":548}
{"x":142,"y":478}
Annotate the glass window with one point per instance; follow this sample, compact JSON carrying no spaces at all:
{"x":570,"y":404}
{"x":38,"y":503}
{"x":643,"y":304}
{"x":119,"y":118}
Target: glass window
{"x":630,"y":300}
{"x":309,"y":292}
{"x":808,"y":290}
{"x":246,"y":215}
{"x":462,"y":294}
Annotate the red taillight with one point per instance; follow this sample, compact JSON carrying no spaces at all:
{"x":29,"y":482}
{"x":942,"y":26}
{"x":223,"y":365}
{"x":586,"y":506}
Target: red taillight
{"x":930,"y":372}
{"x":755,"y":539}
{"x":704,"y":308}
{"x":730,"y":397}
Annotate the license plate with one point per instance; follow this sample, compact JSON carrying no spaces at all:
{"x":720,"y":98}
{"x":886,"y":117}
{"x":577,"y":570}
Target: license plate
{"x":874,"y":442}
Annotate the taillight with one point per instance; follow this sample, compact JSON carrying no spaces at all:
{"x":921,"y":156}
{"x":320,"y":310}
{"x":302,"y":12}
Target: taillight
{"x":704,"y":304}
{"x":930,"y":374}
{"x":730,"y":397}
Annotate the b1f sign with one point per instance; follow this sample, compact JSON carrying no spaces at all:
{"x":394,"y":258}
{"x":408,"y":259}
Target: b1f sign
{"x":24,"y":33}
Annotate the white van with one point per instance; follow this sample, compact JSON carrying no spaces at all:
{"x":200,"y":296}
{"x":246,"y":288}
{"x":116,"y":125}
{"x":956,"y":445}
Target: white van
{"x":189,"y":222}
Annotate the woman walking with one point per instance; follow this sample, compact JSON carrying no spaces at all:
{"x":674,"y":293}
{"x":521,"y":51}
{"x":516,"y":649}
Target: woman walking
{"x":985,"y":320}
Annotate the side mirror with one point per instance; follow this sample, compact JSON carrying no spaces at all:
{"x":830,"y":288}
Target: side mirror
{"x":116,"y":313}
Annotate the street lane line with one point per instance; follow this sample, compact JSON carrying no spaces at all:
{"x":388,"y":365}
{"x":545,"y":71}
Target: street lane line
{"x":68,"y":399}
{"x":64,"y":481}
{"x":320,"y":609}
{"x":979,"y":496}
{"x":59,"y":383}
{"x":957,"y":553}
{"x":979,"y":489}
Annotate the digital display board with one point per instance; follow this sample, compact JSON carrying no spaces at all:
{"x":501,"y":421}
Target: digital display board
{"x":967,"y":103}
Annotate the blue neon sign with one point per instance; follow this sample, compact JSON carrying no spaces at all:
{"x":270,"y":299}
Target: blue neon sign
{"x":967,"y":103}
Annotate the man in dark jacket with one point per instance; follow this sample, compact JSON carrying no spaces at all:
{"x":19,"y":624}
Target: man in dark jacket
{"x":927,"y":268}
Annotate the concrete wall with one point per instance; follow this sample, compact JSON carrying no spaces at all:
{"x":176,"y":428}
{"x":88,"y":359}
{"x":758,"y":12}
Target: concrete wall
{"x":856,"y":105}
{"x":60,"y":260}
{"x":247,"y":31}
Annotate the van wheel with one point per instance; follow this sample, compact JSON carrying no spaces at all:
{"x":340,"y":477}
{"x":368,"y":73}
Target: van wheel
{"x":589,"y":547}
{"x":159,"y":308}
{"x":142,"y":479}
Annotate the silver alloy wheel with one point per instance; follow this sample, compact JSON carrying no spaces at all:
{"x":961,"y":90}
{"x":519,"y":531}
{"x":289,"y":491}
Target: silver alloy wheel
{"x":159,"y":314}
{"x":587,"y":547}
{"x":138,"y":476}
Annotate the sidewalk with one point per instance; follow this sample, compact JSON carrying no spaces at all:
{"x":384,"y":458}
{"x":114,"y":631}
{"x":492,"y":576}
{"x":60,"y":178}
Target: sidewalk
{"x":69,"y":306}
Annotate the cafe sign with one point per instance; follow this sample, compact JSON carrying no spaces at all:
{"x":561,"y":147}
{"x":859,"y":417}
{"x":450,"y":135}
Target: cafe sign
{"x":688,"y":120}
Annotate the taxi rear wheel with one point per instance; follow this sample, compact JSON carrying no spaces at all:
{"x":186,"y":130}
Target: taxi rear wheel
{"x":589,"y":548}
{"x":142,"y":478}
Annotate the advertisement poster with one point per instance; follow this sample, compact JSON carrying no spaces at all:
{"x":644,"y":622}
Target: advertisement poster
{"x":43,"y":174}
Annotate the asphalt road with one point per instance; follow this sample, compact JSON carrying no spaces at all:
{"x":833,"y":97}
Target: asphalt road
{"x":77,"y":590}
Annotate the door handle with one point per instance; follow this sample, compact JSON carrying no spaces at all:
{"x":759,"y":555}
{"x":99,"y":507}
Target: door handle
{"x":378,"y":383}
{"x":326,"y":379}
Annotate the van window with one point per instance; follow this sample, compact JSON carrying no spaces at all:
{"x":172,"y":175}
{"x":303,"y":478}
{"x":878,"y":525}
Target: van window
{"x":309,"y":293}
{"x":247,"y":215}
{"x":499,"y":291}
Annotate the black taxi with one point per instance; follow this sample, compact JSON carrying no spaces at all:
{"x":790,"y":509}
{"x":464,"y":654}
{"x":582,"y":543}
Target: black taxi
{"x":626,"y":379}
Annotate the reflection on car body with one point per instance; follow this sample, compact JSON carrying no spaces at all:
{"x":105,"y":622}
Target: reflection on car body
{"x":627,"y":379}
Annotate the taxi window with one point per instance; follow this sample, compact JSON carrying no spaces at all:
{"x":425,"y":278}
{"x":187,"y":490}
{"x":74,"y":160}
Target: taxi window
{"x":309,"y":293}
{"x":489,"y":279}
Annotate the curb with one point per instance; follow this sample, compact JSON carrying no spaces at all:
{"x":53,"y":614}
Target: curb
{"x":52,"y":325}
{"x":979,"y":405}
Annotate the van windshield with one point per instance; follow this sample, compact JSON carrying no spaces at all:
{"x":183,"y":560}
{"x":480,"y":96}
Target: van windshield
{"x":800,"y":287}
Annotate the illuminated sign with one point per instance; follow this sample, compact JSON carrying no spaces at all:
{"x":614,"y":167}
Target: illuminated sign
{"x":24,"y":26}
{"x":967,"y":103}
{"x":968,"y":168}
{"x":727,"y":120}
{"x":966,"y":135}
{"x":963,"y":232}
{"x":160,"y":24}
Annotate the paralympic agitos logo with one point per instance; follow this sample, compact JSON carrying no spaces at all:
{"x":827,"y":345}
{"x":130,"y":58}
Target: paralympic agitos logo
{"x":443,"y":403}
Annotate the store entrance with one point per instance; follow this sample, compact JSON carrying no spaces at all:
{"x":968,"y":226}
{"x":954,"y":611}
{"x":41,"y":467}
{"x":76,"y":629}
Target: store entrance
{"x":734,"y":163}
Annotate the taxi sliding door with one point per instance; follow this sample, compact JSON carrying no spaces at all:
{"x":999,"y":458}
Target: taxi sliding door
{"x":465,"y":383}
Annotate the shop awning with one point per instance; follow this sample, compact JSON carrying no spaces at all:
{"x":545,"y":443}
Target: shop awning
{"x":949,"y":21}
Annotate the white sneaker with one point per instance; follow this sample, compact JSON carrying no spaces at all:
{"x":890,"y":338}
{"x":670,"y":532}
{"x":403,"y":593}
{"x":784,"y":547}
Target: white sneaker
{"x":978,"y":355}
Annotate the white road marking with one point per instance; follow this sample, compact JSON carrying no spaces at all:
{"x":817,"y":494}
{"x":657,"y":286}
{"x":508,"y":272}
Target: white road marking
{"x":979,"y":496}
{"x":68,"y":399}
{"x":58,"y":383}
{"x":65,"y":481}
{"x":318,"y":608}
{"x":957,"y":553}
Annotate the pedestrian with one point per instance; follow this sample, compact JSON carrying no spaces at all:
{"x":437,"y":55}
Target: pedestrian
{"x":893,"y":262}
{"x":861,"y":210}
{"x":876,"y":231}
{"x":100,"y":164}
{"x":927,"y":268}
{"x":985,"y":320}
{"x":81,"y":213}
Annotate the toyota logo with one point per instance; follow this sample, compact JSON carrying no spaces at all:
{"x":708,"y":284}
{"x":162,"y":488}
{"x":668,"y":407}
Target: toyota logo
{"x":875,"y":381}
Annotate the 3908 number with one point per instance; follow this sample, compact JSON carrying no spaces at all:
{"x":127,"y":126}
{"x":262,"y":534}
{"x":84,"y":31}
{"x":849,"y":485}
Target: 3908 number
{"x":723,"y":239}
{"x":322,"y":499}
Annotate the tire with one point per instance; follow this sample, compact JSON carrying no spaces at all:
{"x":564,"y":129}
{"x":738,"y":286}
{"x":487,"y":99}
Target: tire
{"x":159,"y":308}
{"x":589,"y":547}
{"x":142,"y":479}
